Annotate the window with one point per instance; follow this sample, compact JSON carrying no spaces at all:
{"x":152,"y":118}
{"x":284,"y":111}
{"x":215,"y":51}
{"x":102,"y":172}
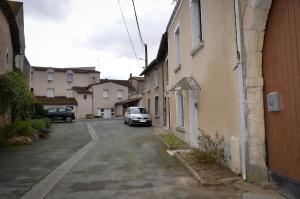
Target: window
{"x":156,"y":106}
{"x":32,"y":90}
{"x":61,"y":109}
{"x":179,"y":110}
{"x":177,"y":47}
{"x":120,"y":94}
{"x":197,"y":36}
{"x":50,"y":76}
{"x":69,"y":93}
{"x":149,"y":106}
{"x":112,"y":112}
{"x":52,"y":110}
{"x":93,"y":79}
{"x":50,"y":92}
{"x":105,"y":93}
{"x":70,"y":77}
{"x":156,"y":78}
{"x":85,"y":96}
{"x":102,"y":112}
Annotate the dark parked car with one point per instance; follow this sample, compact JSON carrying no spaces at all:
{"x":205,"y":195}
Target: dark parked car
{"x":61,"y":113}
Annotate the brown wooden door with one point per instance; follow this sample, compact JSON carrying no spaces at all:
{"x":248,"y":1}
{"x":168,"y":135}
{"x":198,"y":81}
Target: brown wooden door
{"x":281,"y":72}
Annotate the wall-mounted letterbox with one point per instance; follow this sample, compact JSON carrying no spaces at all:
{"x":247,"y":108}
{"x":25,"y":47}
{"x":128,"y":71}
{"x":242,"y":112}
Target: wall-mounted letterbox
{"x":273,"y":102}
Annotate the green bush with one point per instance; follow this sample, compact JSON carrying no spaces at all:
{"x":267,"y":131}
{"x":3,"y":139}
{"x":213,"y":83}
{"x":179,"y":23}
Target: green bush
{"x":47,"y":122}
{"x":211,"y":150}
{"x":15,"y":96}
{"x":21,"y":128}
{"x":39,"y":124}
{"x":38,"y":111}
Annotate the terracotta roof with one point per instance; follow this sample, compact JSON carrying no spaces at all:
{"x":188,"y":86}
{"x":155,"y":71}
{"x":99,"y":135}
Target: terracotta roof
{"x":75,"y":70}
{"x":81,"y":90}
{"x":125,"y":83}
{"x":56,"y":100}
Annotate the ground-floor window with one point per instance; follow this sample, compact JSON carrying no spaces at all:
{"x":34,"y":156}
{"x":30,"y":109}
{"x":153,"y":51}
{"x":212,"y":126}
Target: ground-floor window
{"x":179,"y":109}
{"x":156,"y":106}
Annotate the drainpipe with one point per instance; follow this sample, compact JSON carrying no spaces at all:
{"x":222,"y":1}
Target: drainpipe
{"x":241,"y":67}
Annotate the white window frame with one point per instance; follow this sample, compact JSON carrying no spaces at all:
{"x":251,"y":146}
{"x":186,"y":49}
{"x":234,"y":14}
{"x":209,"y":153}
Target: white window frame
{"x":50,"y":76}
{"x":197,"y":26}
{"x":69,"y":93}
{"x":50,"y":92}
{"x":105,"y":93}
{"x":70,"y":77}
{"x":156,"y":77}
{"x":177,"y":48}
{"x":179,"y":109}
{"x":120,"y":94}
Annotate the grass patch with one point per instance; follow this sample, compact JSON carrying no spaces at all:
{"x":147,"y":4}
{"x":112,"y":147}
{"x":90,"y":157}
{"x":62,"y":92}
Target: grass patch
{"x":173,"y":141}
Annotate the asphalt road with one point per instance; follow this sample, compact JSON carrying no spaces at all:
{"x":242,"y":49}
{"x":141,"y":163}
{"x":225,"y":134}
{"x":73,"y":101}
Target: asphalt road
{"x":21,"y":167}
{"x":128,"y":162}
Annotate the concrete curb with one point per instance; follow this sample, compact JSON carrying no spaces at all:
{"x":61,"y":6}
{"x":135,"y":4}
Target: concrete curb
{"x":45,"y":186}
{"x":198,"y":178}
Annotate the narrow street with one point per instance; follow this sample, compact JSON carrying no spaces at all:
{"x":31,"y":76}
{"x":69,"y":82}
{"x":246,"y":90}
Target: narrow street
{"x":128,"y":162}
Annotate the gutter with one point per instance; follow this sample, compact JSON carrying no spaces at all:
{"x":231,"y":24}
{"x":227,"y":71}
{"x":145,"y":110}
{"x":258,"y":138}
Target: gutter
{"x":241,"y":68}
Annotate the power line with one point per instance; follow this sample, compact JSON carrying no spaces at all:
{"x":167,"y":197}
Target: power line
{"x":127,"y":30}
{"x":138,"y":25}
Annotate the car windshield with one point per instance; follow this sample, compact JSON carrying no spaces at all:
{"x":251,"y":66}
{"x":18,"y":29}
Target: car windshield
{"x":138,"y":111}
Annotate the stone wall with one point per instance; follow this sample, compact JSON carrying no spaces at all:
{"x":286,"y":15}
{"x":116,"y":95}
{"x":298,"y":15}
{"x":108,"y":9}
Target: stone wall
{"x":254,"y":25}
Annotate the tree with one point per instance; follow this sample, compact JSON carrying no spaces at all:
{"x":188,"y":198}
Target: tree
{"x":15,"y":96}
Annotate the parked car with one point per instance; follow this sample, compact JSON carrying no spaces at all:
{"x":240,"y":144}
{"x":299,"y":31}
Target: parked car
{"x":137,"y":116}
{"x":61,"y":113}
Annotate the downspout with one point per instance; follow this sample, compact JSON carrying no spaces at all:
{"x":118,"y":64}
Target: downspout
{"x":241,"y":68}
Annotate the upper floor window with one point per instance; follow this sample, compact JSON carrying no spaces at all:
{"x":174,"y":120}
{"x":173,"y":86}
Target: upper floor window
{"x":177,"y":46}
{"x":93,"y":79}
{"x":70,"y":77}
{"x":85,"y":96}
{"x":69,"y":93}
{"x":197,"y":36}
{"x":156,"y":77}
{"x":50,"y":92}
{"x":50,"y":76}
{"x":105,"y":93}
{"x":120,"y":94}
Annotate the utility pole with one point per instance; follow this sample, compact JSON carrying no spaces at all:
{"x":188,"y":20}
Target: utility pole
{"x":146,"y":55}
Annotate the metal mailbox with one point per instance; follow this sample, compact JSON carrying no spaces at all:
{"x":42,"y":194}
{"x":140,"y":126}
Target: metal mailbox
{"x":273,"y":102}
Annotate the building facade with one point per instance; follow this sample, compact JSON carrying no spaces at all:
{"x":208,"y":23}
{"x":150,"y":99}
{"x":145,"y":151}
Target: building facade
{"x":233,"y":71}
{"x":154,"y":95}
{"x":203,"y":85}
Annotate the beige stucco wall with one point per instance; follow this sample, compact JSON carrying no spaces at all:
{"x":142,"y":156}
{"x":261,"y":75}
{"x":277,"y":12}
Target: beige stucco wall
{"x":212,"y":68}
{"x":40,"y":83}
{"x":85,"y":106}
{"x":100,"y":102}
{"x":152,"y":90}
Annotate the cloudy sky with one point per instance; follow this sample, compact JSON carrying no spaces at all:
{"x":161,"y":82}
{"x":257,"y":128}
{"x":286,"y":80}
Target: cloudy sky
{"x":77,"y":33}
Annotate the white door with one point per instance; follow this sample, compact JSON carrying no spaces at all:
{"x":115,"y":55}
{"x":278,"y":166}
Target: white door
{"x":107,"y":113}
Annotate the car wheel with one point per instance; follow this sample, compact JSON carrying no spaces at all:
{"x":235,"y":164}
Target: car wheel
{"x":130,"y":123}
{"x":125,"y":121}
{"x":68,"y":119}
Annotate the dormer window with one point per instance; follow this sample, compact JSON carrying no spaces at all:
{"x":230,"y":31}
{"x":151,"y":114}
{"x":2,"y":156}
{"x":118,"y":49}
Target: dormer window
{"x":70,"y":77}
{"x":50,"y":76}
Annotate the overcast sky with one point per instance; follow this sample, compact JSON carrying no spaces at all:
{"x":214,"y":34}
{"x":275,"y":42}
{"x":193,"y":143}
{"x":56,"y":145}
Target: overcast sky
{"x":78,"y":33}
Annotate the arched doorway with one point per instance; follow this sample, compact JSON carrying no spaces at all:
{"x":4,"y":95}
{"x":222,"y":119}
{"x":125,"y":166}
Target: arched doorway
{"x":281,"y":73}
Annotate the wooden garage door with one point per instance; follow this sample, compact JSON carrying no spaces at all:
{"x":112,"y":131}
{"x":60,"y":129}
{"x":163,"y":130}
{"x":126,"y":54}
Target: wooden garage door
{"x":281,"y":71}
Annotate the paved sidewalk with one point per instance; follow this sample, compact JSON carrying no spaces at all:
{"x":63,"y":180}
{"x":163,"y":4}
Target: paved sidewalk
{"x":21,"y":167}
